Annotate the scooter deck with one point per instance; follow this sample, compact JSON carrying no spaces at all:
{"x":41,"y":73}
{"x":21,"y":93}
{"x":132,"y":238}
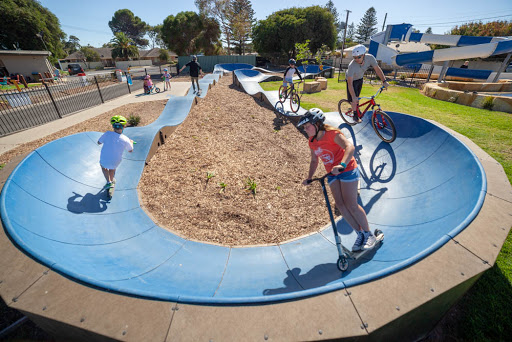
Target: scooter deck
{"x":358,"y":254}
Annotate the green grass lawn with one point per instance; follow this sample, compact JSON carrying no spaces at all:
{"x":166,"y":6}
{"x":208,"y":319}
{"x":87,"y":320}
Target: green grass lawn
{"x":12,"y":86}
{"x":486,"y":310}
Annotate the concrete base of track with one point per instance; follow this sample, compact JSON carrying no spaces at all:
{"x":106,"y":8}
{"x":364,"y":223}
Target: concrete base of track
{"x":403,"y":306}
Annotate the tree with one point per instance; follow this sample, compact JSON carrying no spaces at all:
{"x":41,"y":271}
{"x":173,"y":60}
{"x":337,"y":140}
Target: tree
{"x":154,"y":33}
{"x":490,"y":29}
{"x":23,"y":21}
{"x":189,"y":33}
{"x":88,"y":54}
{"x":220,"y":11}
{"x":241,"y":20}
{"x":429,"y":30}
{"x":132,"y":26}
{"x":163,"y":55}
{"x":337,"y":23}
{"x":280,"y":31}
{"x":72,"y":45}
{"x":367,"y":26}
{"x":350,"y":32}
{"x":123,"y":47}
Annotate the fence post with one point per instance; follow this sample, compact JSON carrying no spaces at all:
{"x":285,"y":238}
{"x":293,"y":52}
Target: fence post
{"x":146,"y":71}
{"x":430,"y":72}
{"x":99,"y":91}
{"x":53,"y":101}
{"x":127,"y":83}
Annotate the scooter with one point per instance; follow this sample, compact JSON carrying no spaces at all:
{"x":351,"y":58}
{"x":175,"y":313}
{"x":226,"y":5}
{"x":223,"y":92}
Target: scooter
{"x":344,"y":254}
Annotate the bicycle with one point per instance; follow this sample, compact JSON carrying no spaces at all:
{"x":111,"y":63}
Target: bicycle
{"x":152,"y":89}
{"x":381,"y":121}
{"x":292,"y":93}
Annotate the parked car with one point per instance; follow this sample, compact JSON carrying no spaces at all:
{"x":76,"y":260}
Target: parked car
{"x":75,"y":68}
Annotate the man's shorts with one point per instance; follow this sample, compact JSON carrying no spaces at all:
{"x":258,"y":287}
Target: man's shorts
{"x":358,"y":86}
{"x":286,"y":81}
{"x":194,"y":78}
{"x":346,"y":177}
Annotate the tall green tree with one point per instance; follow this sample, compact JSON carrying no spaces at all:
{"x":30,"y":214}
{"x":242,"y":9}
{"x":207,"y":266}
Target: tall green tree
{"x":189,"y":33}
{"x":280,"y":31}
{"x":155,"y":33}
{"x":368,"y":26}
{"x":72,"y":45}
{"x":21,"y":23}
{"x":428,"y":30}
{"x":123,"y":47}
{"x":241,"y":20}
{"x":220,"y":11}
{"x":337,"y":23}
{"x":132,"y":26}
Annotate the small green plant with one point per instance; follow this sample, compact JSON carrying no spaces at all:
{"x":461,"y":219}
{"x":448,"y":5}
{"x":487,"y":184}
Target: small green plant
{"x":133,"y":120}
{"x":394,"y":82}
{"x":2,"y":166}
{"x":488,"y":103}
{"x":402,"y":77}
{"x":209,"y":175}
{"x":250,"y":185}
{"x":222,"y":187}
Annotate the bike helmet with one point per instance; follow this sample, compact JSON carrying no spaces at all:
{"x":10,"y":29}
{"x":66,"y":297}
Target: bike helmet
{"x":165,"y":69}
{"x":359,"y":50}
{"x":292,"y":61}
{"x":312,"y":116}
{"x":118,"y":121}
{"x":194,"y":57}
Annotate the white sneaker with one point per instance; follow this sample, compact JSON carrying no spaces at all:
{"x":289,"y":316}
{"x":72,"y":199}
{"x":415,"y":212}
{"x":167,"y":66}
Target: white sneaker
{"x":358,"y":244}
{"x":369,"y":240}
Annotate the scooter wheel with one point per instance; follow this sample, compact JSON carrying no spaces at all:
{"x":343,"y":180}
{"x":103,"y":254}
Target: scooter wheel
{"x":342,"y":264}
{"x":377,"y":232}
{"x":157,"y":90}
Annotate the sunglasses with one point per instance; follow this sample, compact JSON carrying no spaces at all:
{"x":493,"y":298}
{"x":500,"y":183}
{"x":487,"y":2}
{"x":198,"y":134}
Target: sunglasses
{"x":358,"y":57}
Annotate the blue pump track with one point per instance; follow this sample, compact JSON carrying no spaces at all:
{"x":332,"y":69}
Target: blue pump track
{"x":421,"y":191}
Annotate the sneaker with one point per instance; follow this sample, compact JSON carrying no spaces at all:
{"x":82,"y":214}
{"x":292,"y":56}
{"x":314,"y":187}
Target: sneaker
{"x":108,"y":185}
{"x":358,"y":245}
{"x":369,"y":240}
{"x":114,"y":181}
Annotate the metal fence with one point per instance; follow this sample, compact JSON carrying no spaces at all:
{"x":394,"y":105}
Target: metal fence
{"x":408,"y":76}
{"x":55,"y":98}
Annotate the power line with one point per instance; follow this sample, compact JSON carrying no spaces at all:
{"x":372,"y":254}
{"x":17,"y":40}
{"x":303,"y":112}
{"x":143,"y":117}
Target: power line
{"x":87,"y":30}
{"x":463,"y":21}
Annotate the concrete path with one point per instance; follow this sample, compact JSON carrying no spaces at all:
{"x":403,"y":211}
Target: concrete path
{"x":13,"y":140}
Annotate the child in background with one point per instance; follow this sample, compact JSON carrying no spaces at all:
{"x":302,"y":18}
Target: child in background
{"x":148,"y":84}
{"x":167,"y":79}
{"x":288,"y":75}
{"x":115,"y":142}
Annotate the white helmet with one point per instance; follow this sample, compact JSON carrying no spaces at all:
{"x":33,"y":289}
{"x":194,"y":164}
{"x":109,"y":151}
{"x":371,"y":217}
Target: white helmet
{"x":312,"y":116}
{"x":358,"y":50}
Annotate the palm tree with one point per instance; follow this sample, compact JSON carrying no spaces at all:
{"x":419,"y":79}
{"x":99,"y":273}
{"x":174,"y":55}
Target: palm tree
{"x":124,"y":47}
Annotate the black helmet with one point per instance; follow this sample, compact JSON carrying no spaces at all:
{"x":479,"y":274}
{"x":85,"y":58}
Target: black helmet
{"x":292,"y":61}
{"x":312,"y":116}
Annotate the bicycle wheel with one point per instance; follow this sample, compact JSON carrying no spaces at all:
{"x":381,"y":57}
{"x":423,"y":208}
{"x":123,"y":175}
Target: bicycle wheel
{"x":346,"y":113}
{"x":282,"y":94}
{"x":295,"y":102}
{"x":157,"y":90}
{"x":383,"y":126}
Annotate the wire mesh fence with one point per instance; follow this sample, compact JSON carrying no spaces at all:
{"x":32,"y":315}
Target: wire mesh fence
{"x":28,"y":107}
{"x":408,"y":76}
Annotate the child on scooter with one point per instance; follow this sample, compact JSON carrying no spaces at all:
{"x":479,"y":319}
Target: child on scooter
{"x":167,"y":79}
{"x":115,"y":142}
{"x":337,"y":154}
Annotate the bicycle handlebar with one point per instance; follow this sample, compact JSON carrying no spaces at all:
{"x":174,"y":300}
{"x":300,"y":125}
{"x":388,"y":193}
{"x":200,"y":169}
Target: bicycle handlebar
{"x":319,"y":179}
{"x":374,"y":96}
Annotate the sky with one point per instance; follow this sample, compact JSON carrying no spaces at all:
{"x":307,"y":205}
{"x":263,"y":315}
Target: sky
{"x":89,"y":20}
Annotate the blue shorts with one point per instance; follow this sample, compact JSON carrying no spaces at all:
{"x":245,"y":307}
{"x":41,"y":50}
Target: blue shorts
{"x":346,"y":177}
{"x":286,"y":81}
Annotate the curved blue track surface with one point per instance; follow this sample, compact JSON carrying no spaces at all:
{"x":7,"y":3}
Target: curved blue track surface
{"x":421,"y":190}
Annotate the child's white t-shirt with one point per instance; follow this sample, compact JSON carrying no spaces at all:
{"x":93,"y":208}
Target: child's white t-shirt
{"x":114,"y":145}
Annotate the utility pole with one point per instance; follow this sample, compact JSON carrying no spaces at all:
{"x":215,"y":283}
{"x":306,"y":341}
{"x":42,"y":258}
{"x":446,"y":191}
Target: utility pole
{"x":384,"y":24}
{"x":343,"y":43}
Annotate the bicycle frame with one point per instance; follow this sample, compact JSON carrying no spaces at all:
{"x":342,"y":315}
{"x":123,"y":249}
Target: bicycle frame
{"x":291,"y":88}
{"x":370,"y":103}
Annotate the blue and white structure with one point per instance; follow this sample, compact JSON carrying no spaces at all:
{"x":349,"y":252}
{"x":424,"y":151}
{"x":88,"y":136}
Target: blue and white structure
{"x":461,"y":47}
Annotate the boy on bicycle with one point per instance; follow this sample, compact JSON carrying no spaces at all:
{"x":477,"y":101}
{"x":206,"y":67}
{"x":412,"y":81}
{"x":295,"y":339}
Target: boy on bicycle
{"x":356,"y":69}
{"x":288,"y":75}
